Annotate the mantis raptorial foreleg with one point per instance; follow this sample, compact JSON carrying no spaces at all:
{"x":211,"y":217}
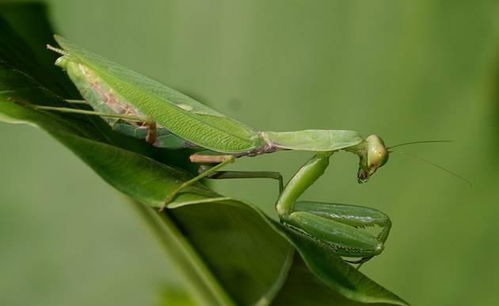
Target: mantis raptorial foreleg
{"x":301,"y":181}
{"x":337,"y":225}
{"x":353,"y":215}
{"x":356,"y":218}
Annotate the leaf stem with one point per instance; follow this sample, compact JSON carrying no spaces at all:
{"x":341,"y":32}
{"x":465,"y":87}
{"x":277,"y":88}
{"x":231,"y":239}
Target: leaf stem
{"x":202,"y":284}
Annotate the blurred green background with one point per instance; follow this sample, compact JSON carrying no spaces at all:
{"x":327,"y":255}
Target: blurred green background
{"x":406,"y":70}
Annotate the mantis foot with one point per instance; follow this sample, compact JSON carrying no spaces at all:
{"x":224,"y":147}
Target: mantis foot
{"x":223,"y":159}
{"x":171,"y":196}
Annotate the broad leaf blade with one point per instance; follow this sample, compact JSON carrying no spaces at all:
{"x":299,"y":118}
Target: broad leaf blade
{"x":300,"y":279}
{"x":336,"y":273}
{"x":23,"y":45}
{"x":207,"y":226}
{"x":148,"y":181}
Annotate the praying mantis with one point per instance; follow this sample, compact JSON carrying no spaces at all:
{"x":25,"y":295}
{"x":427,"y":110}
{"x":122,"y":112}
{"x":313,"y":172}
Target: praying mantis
{"x":143,"y":108}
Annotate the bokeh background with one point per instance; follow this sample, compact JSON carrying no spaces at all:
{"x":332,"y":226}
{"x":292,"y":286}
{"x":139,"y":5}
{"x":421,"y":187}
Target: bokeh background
{"x":406,"y":70}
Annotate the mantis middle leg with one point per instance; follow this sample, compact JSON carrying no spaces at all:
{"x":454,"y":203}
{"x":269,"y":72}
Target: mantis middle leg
{"x":212,"y":172}
{"x":222,"y":175}
{"x":223,"y":161}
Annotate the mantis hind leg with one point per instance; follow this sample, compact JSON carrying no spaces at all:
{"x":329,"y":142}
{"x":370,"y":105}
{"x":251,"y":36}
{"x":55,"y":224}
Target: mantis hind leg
{"x":76,"y":101}
{"x":88,"y":112}
{"x":149,"y":124}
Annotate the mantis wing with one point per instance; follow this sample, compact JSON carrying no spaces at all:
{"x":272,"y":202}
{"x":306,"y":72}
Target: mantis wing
{"x":178,"y":113}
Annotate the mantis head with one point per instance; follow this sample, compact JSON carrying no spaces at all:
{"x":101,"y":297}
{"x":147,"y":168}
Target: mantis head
{"x":63,"y":60}
{"x":372,"y":156}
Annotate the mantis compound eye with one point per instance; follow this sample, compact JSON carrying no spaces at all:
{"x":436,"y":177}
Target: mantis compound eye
{"x":375,"y":156}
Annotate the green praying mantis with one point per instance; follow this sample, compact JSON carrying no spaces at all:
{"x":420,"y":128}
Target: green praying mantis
{"x":143,"y":108}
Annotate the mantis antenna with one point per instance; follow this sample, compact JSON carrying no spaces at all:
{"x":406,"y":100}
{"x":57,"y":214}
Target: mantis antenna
{"x":436,"y":166}
{"x":428,"y":161}
{"x":417,"y":142}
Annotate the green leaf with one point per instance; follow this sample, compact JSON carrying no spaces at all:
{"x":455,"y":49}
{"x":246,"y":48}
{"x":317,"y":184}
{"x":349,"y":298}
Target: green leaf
{"x":23,"y":45}
{"x":336,"y":273}
{"x":300,"y":279}
{"x":177,"y":297}
{"x":247,"y":280}
{"x":227,"y":251}
{"x":215,"y":230}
